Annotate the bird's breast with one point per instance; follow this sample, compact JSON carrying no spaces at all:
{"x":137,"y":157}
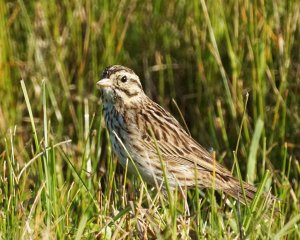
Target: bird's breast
{"x":118,"y":132}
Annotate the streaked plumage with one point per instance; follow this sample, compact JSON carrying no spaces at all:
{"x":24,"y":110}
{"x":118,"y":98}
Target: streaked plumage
{"x":133,"y":118}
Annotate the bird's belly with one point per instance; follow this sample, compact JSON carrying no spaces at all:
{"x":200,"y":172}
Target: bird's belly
{"x":118,"y":148}
{"x":147,"y":166}
{"x":146,"y":170}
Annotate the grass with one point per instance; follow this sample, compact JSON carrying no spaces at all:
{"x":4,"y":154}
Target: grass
{"x":231,"y":69}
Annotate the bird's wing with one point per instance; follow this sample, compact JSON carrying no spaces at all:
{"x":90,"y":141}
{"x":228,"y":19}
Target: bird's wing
{"x":163,"y":136}
{"x":163,"y":133}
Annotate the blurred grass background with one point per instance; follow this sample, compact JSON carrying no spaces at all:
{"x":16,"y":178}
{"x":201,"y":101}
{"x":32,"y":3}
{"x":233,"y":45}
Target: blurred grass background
{"x":233,"y":68}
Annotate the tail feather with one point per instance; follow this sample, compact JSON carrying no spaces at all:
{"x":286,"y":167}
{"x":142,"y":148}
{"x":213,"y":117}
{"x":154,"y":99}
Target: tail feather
{"x":246,"y":192}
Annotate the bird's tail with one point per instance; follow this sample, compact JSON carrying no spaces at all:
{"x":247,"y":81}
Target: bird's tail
{"x":246,"y":193}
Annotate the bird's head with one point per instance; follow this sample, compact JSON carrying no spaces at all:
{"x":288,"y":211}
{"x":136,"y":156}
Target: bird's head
{"x":120,"y":83}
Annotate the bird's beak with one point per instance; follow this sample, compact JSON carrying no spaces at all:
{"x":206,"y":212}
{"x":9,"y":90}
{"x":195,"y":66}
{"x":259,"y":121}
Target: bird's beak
{"x":103,"y":83}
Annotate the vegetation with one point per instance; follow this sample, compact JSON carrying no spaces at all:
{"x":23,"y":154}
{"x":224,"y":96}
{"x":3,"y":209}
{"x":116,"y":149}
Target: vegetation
{"x":233,"y":70}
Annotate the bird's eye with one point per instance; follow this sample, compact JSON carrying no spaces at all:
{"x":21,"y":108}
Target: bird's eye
{"x":124,"y":79}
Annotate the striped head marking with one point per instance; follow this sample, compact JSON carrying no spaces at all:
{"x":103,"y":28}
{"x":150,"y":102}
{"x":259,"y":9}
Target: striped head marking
{"x":119,"y":82}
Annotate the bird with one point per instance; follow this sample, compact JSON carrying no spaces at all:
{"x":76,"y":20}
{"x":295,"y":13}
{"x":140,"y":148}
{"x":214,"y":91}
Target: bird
{"x":150,"y":142}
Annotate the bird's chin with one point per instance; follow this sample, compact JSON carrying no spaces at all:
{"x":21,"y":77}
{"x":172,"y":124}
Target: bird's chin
{"x":107,"y":94}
